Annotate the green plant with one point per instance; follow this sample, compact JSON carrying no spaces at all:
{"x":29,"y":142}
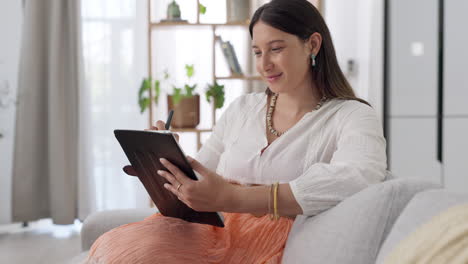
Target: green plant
{"x":143,"y":93}
{"x":202,"y":9}
{"x":188,"y":90}
{"x":216,"y":92}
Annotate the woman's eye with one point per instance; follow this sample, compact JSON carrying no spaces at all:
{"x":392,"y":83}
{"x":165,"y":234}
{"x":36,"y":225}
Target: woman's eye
{"x":257,"y":53}
{"x":276,"y":49}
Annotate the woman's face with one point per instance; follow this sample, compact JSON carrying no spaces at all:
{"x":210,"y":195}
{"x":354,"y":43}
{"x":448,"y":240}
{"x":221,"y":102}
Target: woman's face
{"x":282,"y":59}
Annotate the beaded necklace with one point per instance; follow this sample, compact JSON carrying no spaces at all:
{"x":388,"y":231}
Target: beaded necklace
{"x":271,"y":109}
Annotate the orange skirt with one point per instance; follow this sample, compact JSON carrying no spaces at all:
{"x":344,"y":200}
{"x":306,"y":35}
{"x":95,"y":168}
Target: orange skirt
{"x":159,"y":239}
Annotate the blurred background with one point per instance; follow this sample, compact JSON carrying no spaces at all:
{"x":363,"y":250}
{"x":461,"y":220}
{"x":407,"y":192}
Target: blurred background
{"x":73,"y":71}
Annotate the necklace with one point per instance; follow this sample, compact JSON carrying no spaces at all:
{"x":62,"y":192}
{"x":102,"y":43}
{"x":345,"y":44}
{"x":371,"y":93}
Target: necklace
{"x":271,"y":109}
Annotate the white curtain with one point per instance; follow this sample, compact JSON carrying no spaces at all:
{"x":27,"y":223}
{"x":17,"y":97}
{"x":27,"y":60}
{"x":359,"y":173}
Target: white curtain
{"x":114,"y":42}
{"x":45,"y":157}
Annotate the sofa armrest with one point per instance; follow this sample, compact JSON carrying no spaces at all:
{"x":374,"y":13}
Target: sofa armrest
{"x":100,"y":222}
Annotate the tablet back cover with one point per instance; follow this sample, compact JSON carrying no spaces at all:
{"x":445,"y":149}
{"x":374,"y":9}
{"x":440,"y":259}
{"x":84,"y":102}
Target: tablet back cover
{"x":144,"y":149}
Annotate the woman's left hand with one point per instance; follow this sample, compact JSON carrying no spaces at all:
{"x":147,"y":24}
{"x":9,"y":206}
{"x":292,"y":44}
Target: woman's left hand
{"x":212,"y":193}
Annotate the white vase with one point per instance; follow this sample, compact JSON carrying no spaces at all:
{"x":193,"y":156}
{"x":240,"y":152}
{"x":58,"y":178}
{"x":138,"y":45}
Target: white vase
{"x":237,"y":11}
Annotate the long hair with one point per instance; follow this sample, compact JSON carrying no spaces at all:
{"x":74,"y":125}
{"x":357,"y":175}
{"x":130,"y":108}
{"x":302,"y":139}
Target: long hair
{"x":301,"y":18}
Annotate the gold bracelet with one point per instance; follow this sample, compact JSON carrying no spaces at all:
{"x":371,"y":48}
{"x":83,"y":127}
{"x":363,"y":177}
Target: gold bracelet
{"x":270,"y":193}
{"x":275,"y":201}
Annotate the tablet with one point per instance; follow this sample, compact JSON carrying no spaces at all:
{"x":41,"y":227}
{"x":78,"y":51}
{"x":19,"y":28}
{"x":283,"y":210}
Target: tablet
{"x":144,"y":149}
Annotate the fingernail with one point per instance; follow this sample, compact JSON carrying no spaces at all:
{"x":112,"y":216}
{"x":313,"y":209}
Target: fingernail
{"x":160,"y":172}
{"x":166,"y":186}
{"x":162,"y":160}
{"x":189,"y":158}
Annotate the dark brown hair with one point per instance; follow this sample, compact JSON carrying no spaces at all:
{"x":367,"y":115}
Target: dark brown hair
{"x":301,"y":18}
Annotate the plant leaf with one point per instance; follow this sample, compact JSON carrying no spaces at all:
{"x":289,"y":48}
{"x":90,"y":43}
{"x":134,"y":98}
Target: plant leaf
{"x":208,"y":94}
{"x":157,"y":90}
{"x":202,"y":9}
{"x":144,"y":103}
{"x":216,"y":92}
{"x":189,"y":90}
{"x":143,"y":100}
{"x":190,"y":70}
{"x":143,"y":88}
{"x":219,"y":102}
{"x":177,"y":95}
{"x":166,"y":74}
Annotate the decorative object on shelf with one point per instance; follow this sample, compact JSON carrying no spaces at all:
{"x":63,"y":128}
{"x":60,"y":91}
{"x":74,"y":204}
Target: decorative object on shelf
{"x":231,"y":57}
{"x":185,"y":103}
{"x":173,"y":13}
{"x":215,"y":92}
{"x":237,"y":11}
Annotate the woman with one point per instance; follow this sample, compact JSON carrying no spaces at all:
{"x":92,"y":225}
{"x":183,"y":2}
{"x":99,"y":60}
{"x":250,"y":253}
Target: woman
{"x":300,"y":148}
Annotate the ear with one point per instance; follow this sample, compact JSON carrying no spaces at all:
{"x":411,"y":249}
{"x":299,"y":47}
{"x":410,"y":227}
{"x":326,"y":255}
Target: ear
{"x":314,"y":43}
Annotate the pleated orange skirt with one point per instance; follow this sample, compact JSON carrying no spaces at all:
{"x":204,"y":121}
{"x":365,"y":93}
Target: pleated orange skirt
{"x":159,"y":239}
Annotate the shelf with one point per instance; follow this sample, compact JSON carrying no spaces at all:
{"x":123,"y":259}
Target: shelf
{"x":175,"y":23}
{"x":182,"y":130}
{"x":254,"y":78}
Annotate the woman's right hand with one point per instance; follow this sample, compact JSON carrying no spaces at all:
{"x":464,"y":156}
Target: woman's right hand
{"x":160,"y":125}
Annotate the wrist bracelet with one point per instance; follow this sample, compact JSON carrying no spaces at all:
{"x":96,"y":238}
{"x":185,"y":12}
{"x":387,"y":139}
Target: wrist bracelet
{"x":275,"y":201}
{"x":270,"y":193}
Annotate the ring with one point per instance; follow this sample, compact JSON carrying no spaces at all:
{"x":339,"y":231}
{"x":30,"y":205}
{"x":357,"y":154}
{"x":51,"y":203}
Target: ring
{"x":178,"y":187}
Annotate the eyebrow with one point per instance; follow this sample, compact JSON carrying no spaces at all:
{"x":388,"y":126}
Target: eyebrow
{"x":270,"y":42}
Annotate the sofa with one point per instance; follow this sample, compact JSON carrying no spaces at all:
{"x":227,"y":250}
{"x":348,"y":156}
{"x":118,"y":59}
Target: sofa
{"x":362,"y":229}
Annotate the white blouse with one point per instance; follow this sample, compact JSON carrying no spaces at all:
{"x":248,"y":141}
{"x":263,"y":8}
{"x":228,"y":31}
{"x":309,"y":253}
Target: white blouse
{"x":327,"y":156}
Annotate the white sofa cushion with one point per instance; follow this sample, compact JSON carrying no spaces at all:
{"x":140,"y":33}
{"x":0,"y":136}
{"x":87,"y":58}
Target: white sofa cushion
{"x":419,"y":210}
{"x":79,"y":259}
{"x":353,"y":231}
{"x":100,"y":222}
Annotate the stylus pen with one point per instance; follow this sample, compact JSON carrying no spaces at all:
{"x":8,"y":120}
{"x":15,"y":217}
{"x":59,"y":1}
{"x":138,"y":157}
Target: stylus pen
{"x":169,"y":119}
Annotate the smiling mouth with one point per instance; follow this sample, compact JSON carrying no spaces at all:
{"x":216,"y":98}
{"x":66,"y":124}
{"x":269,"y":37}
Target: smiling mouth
{"x":274,"y":77}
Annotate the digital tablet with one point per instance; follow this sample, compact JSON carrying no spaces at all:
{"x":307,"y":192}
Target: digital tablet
{"x":144,"y":149}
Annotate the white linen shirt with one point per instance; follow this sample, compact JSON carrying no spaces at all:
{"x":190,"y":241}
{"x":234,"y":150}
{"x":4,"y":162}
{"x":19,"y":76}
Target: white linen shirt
{"x":330,"y":154}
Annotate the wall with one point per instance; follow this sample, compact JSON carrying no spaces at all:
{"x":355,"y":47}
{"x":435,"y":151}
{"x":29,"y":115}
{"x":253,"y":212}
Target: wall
{"x":10,"y":32}
{"x":357,"y":32}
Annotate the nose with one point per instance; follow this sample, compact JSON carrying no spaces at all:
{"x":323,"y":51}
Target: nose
{"x":265,"y":63}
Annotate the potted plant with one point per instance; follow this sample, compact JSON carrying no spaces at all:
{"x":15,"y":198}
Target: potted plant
{"x":185,"y":103}
{"x":215,"y":92}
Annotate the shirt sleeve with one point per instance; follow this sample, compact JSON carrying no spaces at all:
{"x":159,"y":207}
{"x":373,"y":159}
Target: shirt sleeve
{"x":358,"y":161}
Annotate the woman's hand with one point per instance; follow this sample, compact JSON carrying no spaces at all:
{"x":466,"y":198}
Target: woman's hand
{"x":160,"y":125}
{"x":211,"y":193}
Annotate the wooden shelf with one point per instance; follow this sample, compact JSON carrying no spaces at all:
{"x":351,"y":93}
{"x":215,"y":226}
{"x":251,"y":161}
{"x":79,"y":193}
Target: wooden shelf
{"x":154,"y":25}
{"x":254,"y":78}
{"x":175,"y":23}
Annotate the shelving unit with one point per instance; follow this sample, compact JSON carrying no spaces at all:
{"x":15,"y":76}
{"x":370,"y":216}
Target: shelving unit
{"x":154,"y":26}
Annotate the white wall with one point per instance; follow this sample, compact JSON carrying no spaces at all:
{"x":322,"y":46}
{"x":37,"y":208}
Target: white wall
{"x":357,"y":31}
{"x":10,"y":32}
